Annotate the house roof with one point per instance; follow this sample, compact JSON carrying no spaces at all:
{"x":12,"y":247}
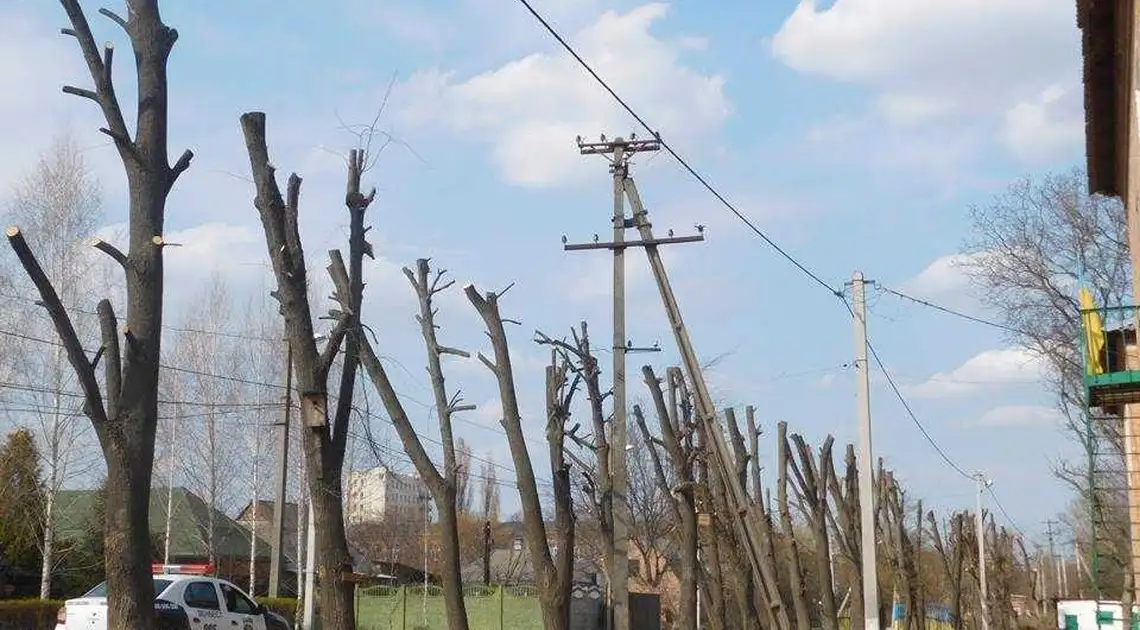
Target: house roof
{"x":188,"y":527}
{"x":1106,"y":52}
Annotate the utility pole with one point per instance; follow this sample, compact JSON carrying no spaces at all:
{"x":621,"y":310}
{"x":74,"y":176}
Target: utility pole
{"x":310,"y":569}
{"x":170,"y":484}
{"x":979,"y":526}
{"x":277,"y":537}
{"x":1053,"y":556}
{"x":866,"y":461}
{"x":744,"y":514}
{"x":621,"y":151}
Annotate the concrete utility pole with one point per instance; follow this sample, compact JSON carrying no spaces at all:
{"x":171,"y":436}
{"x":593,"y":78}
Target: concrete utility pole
{"x":979,"y":526}
{"x":866,"y":460}
{"x":621,"y":150}
{"x":277,"y":537}
{"x":310,"y":569}
{"x":1053,"y":557}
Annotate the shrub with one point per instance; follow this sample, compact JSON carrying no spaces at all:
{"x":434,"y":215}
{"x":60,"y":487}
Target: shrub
{"x":28,"y":614}
{"x":284,"y":606}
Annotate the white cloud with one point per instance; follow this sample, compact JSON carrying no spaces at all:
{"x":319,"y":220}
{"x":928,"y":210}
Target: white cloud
{"x":911,"y":55}
{"x":1046,"y":127}
{"x":530,"y":110}
{"x":985,"y":370}
{"x":1019,"y":416}
{"x":945,"y":277}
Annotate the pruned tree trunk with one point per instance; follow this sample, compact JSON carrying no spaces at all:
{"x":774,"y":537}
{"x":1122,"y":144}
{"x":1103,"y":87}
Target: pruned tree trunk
{"x":799,"y":589}
{"x":124,"y":413}
{"x":444,"y":487}
{"x":712,"y":574}
{"x":749,"y":592}
{"x":813,"y":481}
{"x":599,"y":482}
{"x":553,"y":576}
{"x":324,"y":443}
{"x":683,"y":496}
{"x":846,"y":525}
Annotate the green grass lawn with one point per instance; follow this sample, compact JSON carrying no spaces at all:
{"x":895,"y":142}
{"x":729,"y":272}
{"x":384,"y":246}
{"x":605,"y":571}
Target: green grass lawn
{"x":383,"y":608}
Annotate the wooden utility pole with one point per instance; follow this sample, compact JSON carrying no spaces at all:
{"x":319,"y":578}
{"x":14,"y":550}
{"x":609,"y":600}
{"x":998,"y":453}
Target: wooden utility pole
{"x":277,"y":537}
{"x":866,"y":458}
{"x":620,"y":151}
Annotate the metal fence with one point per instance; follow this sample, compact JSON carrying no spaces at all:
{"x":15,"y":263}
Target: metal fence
{"x":417,"y":608}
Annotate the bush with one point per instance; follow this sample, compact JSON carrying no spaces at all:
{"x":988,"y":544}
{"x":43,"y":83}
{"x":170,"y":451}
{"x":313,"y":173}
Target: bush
{"x":284,"y":606}
{"x":28,"y":614}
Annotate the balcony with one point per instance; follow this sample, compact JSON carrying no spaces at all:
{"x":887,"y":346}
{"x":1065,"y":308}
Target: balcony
{"x":1110,"y":356}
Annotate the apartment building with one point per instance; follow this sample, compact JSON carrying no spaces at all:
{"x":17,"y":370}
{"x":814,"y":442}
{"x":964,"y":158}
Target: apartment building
{"x":378,"y":493}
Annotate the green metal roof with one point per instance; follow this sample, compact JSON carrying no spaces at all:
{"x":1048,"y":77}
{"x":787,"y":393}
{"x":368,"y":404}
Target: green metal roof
{"x":188,"y":527}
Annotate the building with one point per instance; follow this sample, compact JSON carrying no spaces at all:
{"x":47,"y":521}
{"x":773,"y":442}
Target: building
{"x":191,"y":520}
{"x":1109,"y":35}
{"x":378,"y":493}
{"x":257,"y":517}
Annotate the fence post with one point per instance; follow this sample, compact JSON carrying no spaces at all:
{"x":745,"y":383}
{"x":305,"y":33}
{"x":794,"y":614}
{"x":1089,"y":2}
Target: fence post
{"x":404,"y":607}
{"x":502,"y":591}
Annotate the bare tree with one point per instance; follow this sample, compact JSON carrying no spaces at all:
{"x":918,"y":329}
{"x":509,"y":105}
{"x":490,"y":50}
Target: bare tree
{"x":125,"y":420}
{"x":490,"y":491}
{"x":209,"y":455}
{"x":324,"y":443}
{"x":674,"y":431}
{"x":464,"y":490}
{"x":1029,"y":248}
{"x":597,"y":483}
{"x":553,"y":572}
{"x":443,"y":486}
{"x":812,"y":481}
{"x":60,"y":199}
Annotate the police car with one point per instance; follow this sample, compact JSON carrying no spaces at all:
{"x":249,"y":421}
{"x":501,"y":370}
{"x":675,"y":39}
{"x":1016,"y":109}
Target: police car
{"x":186,"y":598}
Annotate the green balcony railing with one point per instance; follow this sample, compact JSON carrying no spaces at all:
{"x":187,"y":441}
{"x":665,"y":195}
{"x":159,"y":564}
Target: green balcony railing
{"x":1111,"y":377}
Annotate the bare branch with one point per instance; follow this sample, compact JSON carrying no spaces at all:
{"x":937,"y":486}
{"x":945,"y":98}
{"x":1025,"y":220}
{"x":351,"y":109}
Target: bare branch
{"x":114,"y":17}
{"x":92,"y":398}
{"x":112,"y":251}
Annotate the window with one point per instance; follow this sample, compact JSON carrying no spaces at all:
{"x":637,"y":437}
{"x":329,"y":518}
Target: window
{"x":236,"y":602}
{"x":202,"y":595}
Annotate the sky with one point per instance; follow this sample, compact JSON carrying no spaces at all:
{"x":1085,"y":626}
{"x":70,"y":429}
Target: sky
{"x":855,"y":133}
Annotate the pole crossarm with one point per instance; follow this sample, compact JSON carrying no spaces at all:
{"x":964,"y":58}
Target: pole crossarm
{"x":671,"y":240}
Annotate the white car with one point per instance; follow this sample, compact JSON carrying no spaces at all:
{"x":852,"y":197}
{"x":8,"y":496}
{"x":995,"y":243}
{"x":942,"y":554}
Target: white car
{"x":187,"y":600}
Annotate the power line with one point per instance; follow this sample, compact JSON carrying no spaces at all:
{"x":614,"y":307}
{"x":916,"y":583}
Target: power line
{"x":1001,"y":508}
{"x":949,"y":311}
{"x":680,"y":160}
{"x":906,"y":405}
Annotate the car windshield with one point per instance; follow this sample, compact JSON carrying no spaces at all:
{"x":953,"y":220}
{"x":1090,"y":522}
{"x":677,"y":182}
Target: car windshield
{"x":101,"y":590}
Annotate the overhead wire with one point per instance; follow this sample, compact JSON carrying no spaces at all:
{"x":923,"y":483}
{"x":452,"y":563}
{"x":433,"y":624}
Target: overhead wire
{"x":1001,"y":509}
{"x":672,"y":152}
{"x":949,"y":311}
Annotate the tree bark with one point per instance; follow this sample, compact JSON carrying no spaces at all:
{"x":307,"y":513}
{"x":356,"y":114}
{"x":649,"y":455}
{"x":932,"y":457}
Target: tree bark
{"x":684,"y":498}
{"x":324,"y":445}
{"x":552,"y":576}
{"x":799,"y":589}
{"x":813,"y":482}
{"x":443,"y":486}
{"x":125,"y":414}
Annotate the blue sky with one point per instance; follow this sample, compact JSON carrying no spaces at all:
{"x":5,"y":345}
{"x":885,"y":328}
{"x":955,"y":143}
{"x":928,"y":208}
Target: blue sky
{"x":856,"y":133}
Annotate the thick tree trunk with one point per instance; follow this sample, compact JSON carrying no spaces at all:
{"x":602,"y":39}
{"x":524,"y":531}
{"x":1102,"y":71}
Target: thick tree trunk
{"x":335,"y":594}
{"x":451,"y":569}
